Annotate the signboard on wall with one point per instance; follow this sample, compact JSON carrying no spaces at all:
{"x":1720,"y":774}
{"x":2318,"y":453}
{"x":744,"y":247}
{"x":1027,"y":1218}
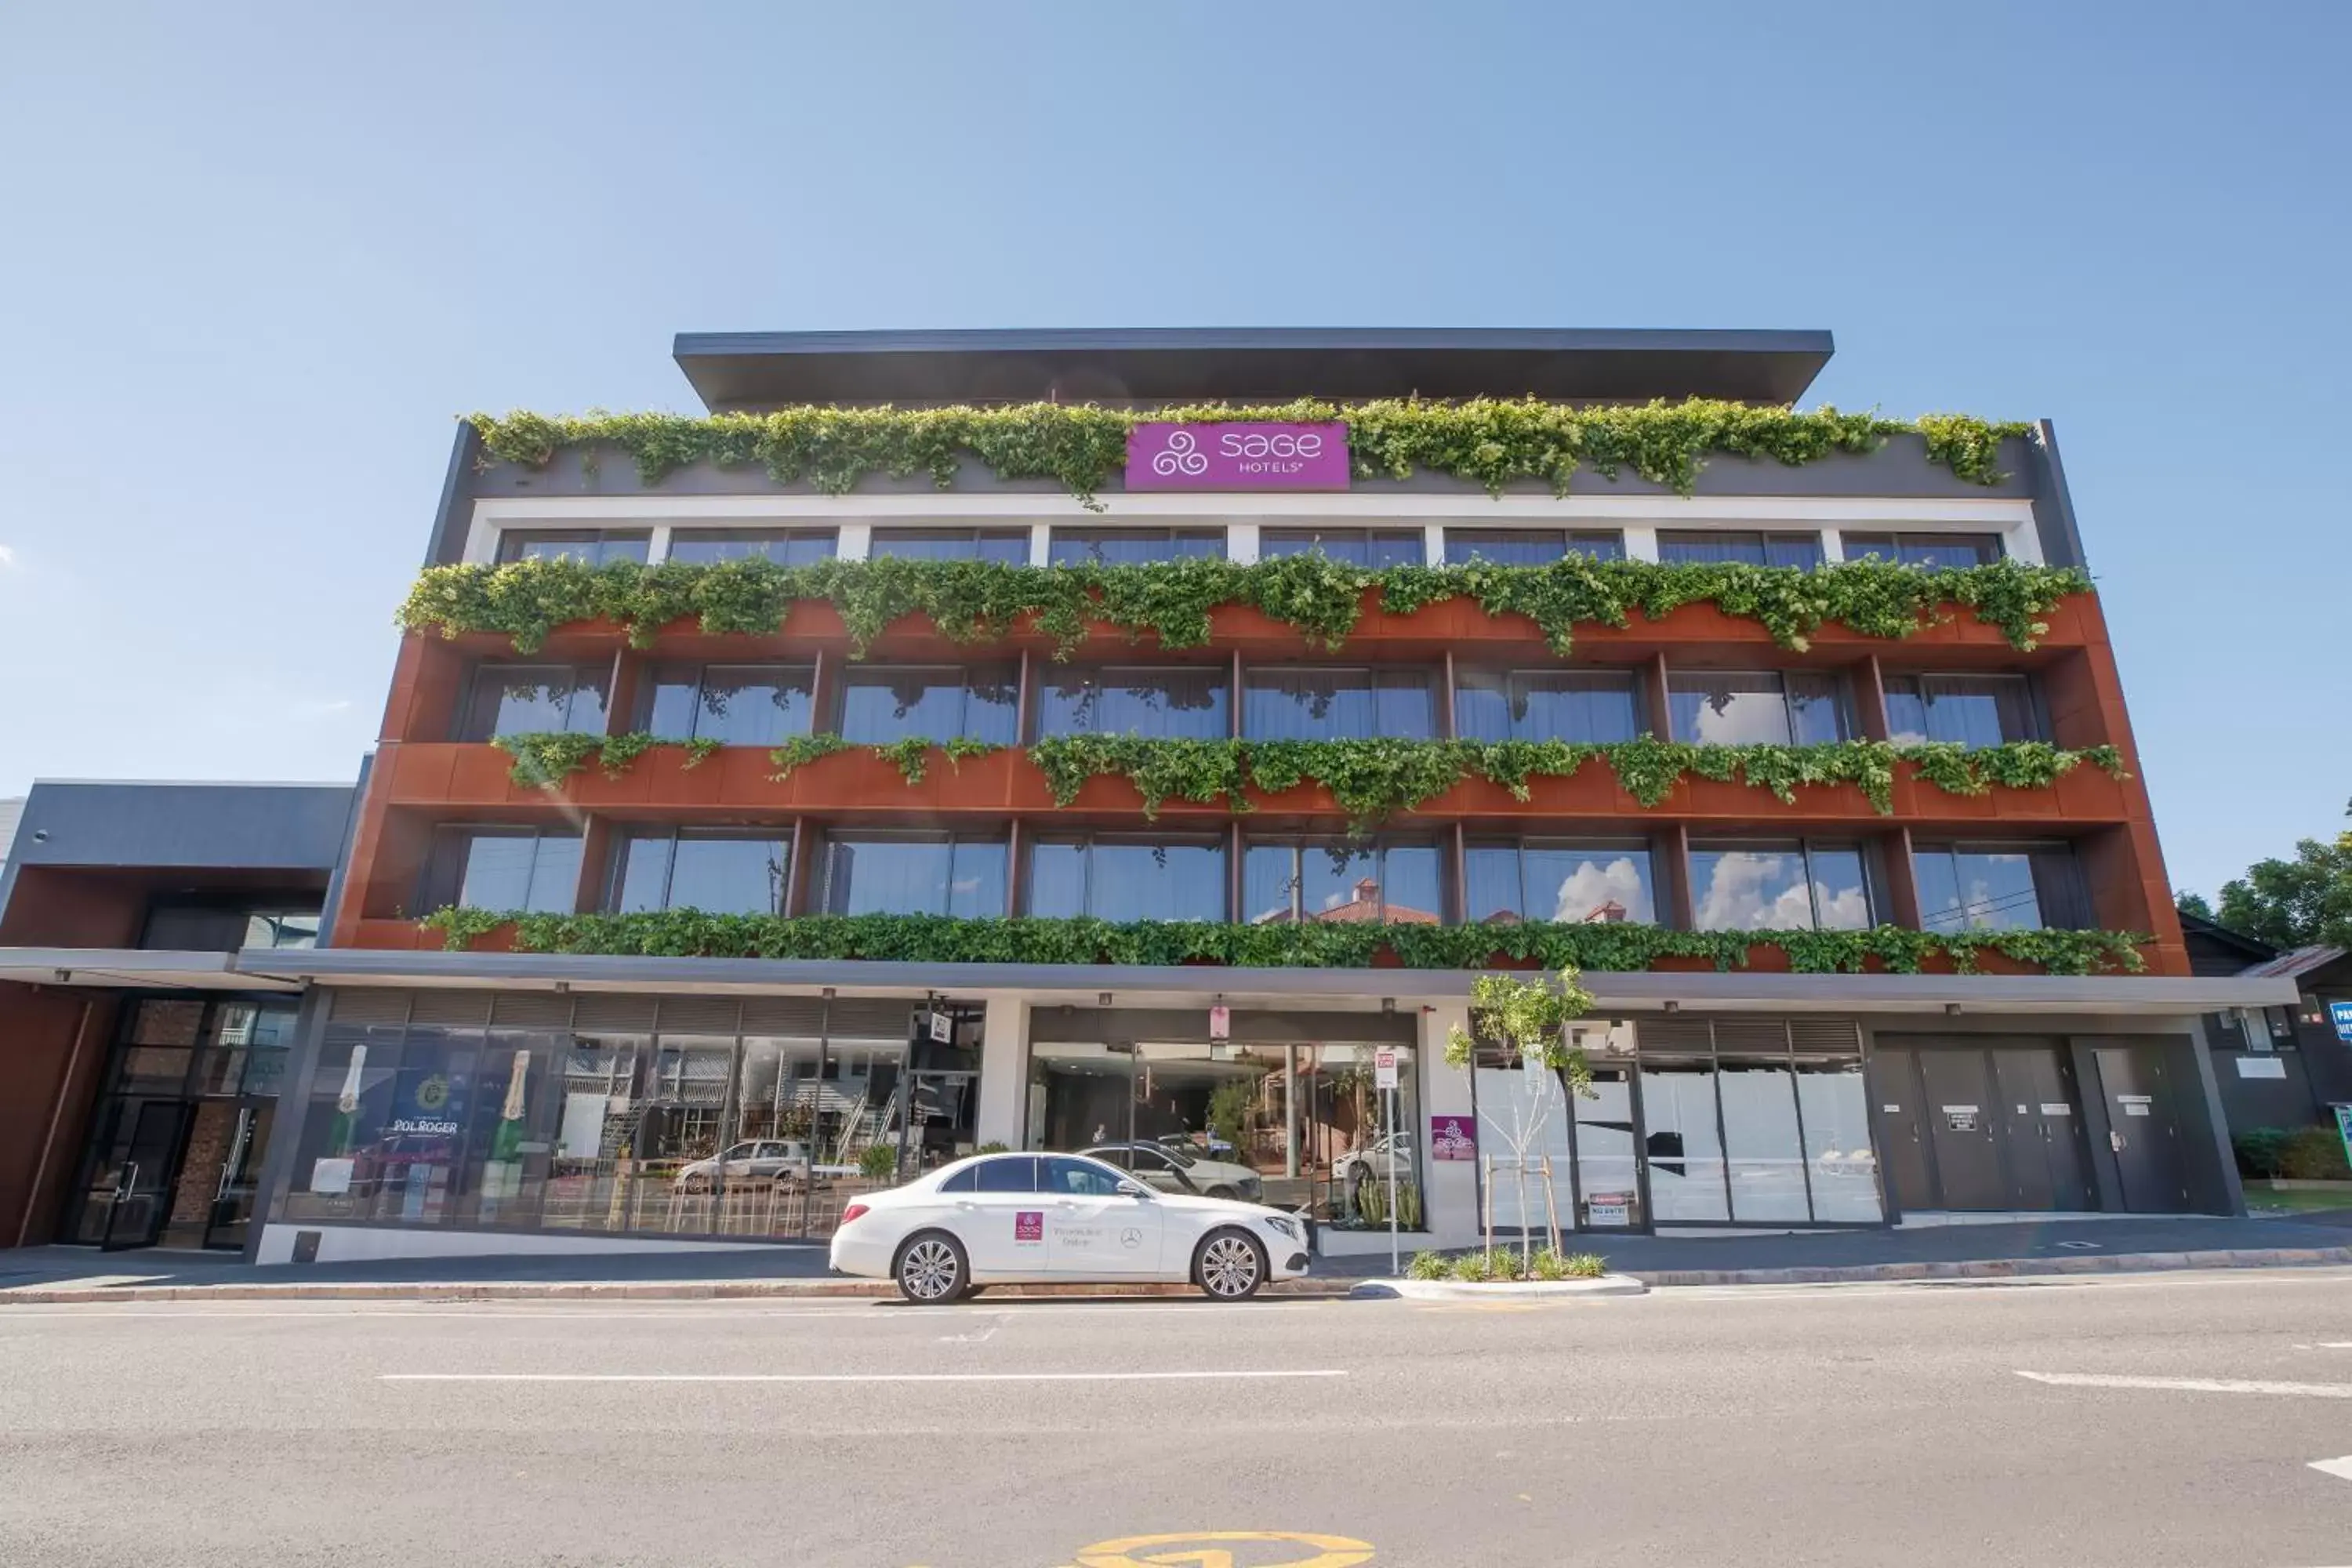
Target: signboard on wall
{"x":2344,"y":1129}
{"x":1452,"y":1138}
{"x":1384,"y":1068}
{"x":1220,"y":1023}
{"x":1255,"y":455}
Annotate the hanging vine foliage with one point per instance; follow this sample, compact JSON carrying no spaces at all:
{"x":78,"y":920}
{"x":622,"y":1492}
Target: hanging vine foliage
{"x":940,"y":939}
{"x":979,"y":601}
{"x":1493,"y":443}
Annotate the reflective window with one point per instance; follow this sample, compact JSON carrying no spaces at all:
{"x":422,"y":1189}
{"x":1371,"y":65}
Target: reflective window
{"x":882,"y":703}
{"x":1009,"y":1173}
{"x":1304,"y":703}
{"x":785,"y":546}
{"x":1925,"y":549}
{"x":1834,"y":1103}
{"x":1529,"y":546}
{"x":590,"y":546}
{"x":1133,"y":546}
{"x":914,"y":873}
{"x":1782,"y":886}
{"x":964,"y":1181}
{"x":225,"y":928}
{"x":1005,"y":546}
{"x":1682,"y":1141}
{"x":1126,"y":878}
{"x":1766,"y":708}
{"x":1708,"y":545}
{"x":734,"y":704}
{"x":1607,"y":881}
{"x":535,"y":699}
{"x":1760,"y":1130}
{"x":1337,"y":881}
{"x":1186,"y":703}
{"x":521,"y":868}
{"x":1546,"y":705}
{"x":1966,"y":709}
{"x":1368,"y":547}
{"x":1983,"y":887}
{"x":715,"y":870}
{"x":1079,"y":1178}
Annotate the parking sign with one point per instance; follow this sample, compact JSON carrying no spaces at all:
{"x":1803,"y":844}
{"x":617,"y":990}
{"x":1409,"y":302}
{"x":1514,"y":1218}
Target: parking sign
{"x":2341,"y":1012}
{"x":1384,"y":1069}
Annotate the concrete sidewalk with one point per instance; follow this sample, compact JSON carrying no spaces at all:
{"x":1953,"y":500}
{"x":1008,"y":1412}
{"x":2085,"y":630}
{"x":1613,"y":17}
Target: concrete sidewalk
{"x":61,"y":1274}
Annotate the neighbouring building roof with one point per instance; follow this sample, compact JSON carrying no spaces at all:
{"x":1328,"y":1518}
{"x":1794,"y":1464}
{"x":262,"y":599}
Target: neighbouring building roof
{"x":2299,"y":963}
{"x":744,"y":371}
{"x":11,"y":813}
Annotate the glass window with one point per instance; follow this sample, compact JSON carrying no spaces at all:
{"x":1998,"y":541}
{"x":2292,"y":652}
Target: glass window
{"x":964,"y":1181}
{"x":785,"y":546}
{"x":880,"y":704}
{"x":718,"y":872}
{"x":520,"y":868}
{"x":1767,"y":708}
{"x":734,"y":704}
{"x":1931,"y":551}
{"x":1005,"y":546}
{"x":1009,"y":1173}
{"x":1121,"y":878}
{"x":1529,"y":546}
{"x":1546,"y":705}
{"x":1079,"y":1178}
{"x":1541,"y":880}
{"x":1834,"y":1101}
{"x":535,"y":699}
{"x":1337,"y":881}
{"x":914,"y":873}
{"x":1798,"y":550}
{"x":1681,"y":1137}
{"x":1307,"y":704}
{"x":1984,"y":887}
{"x":1182,"y":703}
{"x":1779,"y":887}
{"x":1369,"y":547}
{"x":281,"y":928}
{"x":1966,"y":709}
{"x":590,"y":546}
{"x":1760,"y":1135}
{"x":1134,"y":546}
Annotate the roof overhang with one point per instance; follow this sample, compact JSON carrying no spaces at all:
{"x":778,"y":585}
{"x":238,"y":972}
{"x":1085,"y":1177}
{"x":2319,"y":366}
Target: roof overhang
{"x":119,"y":968}
{"x":1646,"y":990}
{"x":734,"y":370}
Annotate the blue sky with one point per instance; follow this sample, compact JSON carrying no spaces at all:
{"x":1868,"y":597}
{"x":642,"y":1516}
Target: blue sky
{"x":258,"y":257}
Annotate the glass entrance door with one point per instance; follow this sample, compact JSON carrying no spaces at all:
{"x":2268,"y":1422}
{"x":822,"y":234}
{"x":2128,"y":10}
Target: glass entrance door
{"x":942,"y":1112}
{"x":1608,"y":1167}
{"x":146,"y":1159}
{"x":240,"y":1176}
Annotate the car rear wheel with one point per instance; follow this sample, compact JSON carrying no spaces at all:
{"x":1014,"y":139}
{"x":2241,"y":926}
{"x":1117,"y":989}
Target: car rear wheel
{"x":1230,"y":1266}
{"x":931,"y":1268}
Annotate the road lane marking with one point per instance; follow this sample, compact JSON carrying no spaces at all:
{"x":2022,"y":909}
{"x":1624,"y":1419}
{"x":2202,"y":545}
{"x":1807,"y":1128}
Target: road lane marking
{"x":2191,"y":1385}
{"x":1331,"y":1551}
{"x":853,"y":1376}
{"x":2340,"y":1469}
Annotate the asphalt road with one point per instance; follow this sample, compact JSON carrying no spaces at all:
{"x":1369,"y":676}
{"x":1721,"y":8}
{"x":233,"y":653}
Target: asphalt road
{"x":1841,"y":1424}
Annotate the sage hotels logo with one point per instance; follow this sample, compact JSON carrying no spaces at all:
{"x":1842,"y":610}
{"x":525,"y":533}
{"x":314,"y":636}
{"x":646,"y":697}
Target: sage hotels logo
{"x":1240,"y":456}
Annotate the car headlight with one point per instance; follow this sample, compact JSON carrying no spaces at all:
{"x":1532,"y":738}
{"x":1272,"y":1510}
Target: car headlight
{"x":1283,"y":1224}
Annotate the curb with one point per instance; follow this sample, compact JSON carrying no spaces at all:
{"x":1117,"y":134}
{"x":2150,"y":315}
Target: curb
{"x":1487,"y":1290}
{"x":2005,"y":1268}
{"x":591,"y":1290}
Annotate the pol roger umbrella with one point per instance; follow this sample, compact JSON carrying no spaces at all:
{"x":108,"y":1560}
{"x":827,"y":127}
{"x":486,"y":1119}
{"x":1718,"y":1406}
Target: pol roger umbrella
{"x":508,"y":1140}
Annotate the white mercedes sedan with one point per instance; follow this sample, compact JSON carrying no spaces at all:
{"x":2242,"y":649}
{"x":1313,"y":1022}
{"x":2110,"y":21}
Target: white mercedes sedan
{"x":1027,"y":1219}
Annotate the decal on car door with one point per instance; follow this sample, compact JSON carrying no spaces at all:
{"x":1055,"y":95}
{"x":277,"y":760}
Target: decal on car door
{"x":1029,"y":1225}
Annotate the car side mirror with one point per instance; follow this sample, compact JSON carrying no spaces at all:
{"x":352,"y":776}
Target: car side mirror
{"x":1134,"y":1190}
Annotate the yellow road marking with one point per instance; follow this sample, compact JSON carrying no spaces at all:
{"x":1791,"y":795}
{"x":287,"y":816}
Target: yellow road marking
{"x":1196,"y":1548}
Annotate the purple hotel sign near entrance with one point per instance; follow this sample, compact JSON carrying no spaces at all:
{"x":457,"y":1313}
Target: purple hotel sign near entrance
{"x":1237,"y":457}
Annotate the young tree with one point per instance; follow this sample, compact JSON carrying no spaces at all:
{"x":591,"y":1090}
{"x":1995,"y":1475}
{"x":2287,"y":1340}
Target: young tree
{"x":1531,"y":1018}
{"x":2297,"y":902}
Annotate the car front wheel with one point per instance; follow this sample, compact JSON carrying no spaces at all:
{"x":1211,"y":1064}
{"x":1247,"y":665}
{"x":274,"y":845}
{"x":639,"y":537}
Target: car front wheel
{"x":1230,"y":1267}
{"x":931,"y":1268}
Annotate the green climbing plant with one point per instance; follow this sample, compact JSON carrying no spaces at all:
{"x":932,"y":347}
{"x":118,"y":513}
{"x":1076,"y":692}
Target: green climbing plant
{"x":1173,"y":602}
{"x":549,"y":757}
{"x":1609,"y":946}
{"x":1495,"y":442}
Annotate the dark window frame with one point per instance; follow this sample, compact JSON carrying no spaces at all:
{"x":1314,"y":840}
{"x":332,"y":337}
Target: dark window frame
{"x":466,"y":730}
{"x":1309,"y":541}
{"x":1432,"y":680}
{"x":1804,"y":847}
{"x":978,"y":536}
{"x":1855,"y":544}
{"x":1635,"y":681}
{"x":1300,"y":845}
{"x":513,"y":542}
{"x":1841,"y":698}
{"x":1087,"y":840}
{"x":1599,"y":543}
{"x":616,"y":867}
{"x":1920,"y":681}
{"x":444,"y":880}
{"x":1812,"y":544}
{"x":1654,"y":858}
{"x":2061,"y":892}
{"x":862,"y":676}
{"x":1171,"y":535}
{"x":650,"y":684}
{"x":828,"y":537}
{"x":951,"y":839}
{"x":1220,"y":675}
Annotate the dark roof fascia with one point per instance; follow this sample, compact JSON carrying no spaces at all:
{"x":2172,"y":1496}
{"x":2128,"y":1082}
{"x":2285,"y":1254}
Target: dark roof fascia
{"x":745,"y":370}
{"x":2254,"y":948}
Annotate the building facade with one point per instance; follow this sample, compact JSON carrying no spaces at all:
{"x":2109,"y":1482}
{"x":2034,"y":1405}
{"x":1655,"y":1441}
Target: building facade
{"x":913,"y":757}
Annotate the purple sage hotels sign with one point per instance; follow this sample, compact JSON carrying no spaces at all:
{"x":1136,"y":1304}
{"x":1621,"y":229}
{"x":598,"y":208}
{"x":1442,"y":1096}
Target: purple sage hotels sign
{"x":1452,"y":1138}
{"x":1237,"y":457}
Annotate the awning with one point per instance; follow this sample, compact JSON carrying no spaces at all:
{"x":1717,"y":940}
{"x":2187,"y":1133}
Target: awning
{"x":1646,"y":990}
{"x":136,"y":969}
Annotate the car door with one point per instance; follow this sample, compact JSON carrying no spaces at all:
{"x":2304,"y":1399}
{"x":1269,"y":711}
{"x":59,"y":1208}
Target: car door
{"x":1000,"y":1220}
{"x":1157,"y":1171}
{"x":1094,"y":1230}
